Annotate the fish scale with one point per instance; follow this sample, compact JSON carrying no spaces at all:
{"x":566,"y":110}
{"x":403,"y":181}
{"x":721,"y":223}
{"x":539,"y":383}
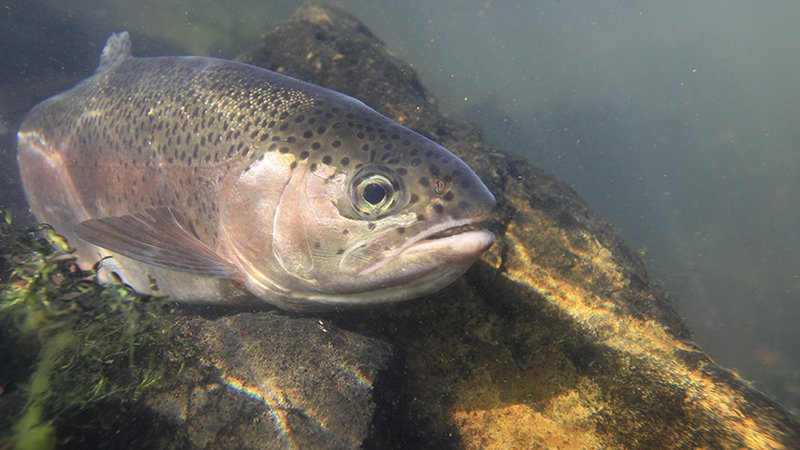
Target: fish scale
{"x":307,"y":197}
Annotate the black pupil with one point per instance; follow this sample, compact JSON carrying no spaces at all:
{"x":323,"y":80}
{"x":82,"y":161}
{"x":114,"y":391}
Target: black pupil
{"x":374,"y":193}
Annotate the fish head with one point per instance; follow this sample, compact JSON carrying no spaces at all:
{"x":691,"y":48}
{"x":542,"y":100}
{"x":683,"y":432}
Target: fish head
{"x":378,"y":215}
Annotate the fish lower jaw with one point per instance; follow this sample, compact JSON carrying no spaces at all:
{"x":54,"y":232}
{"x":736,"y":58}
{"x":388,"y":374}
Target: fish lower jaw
{"x":315,"y":302}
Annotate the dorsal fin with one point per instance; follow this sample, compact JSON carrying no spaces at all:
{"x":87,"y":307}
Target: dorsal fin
{"x":117,"y":49}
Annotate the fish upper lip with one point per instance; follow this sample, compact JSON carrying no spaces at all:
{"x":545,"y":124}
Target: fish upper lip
{"x":454,"y":230}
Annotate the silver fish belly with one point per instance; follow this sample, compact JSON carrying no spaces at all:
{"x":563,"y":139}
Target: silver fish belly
{"x":220,"y":182}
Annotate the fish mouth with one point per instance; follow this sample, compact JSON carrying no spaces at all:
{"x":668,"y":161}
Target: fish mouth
{"x":465,"y":238}
{"x":455,"y":240}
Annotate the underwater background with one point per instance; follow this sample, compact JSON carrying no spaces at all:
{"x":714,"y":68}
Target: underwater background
{"x":677,"y":122}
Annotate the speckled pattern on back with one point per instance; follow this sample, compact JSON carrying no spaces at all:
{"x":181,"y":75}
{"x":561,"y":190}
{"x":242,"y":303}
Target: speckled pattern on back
{"x":152,"y":132}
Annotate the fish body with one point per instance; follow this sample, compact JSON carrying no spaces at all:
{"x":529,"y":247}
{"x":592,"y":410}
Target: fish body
{"x":220,"y":182}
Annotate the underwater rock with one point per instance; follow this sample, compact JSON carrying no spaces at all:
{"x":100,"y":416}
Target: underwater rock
{"x":271,"y":381}
{"x":556,"y":337}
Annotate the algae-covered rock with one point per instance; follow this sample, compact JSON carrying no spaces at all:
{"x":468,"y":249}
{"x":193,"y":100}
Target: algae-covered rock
{"x":556,"y":338}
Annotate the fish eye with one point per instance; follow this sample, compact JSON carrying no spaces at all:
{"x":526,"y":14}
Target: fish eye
{"x":375,"y":191}
{"x":373,"y":195}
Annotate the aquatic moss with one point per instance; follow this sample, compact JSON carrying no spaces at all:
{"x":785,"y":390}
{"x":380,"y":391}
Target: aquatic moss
{"x":94,"y":343}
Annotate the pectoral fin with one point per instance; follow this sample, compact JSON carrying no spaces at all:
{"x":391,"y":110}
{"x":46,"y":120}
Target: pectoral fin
{"x":161,"y":237}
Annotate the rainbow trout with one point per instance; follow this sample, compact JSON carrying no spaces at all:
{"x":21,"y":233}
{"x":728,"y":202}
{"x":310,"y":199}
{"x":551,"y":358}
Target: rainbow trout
{"x":220,"y":182}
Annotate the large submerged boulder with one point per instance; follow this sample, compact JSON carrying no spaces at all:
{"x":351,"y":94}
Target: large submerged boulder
{"x":556,"y":338}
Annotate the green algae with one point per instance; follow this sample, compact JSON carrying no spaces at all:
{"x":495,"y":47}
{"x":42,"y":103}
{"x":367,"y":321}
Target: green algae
{"x":92,"y":344}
